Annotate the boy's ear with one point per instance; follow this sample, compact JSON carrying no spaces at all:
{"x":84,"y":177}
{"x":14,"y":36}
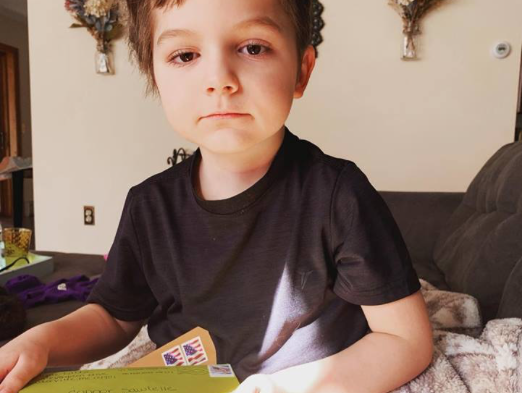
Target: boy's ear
{"x":307,"y":66}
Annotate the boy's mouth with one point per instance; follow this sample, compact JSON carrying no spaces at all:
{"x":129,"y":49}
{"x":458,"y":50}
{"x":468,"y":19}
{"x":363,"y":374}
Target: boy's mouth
{"x":225,"y":115}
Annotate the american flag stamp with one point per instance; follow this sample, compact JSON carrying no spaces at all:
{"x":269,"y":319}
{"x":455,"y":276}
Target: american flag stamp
{"x":221,"y":370}
{"x":174,"y":357}
{"x":194,"y":351}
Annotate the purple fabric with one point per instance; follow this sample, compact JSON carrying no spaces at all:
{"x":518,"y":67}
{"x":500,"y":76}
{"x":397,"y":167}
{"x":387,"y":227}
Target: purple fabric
{"x":32,"y":292}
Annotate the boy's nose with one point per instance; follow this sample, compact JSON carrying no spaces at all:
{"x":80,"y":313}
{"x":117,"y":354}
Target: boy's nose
{"x":222,"y":78}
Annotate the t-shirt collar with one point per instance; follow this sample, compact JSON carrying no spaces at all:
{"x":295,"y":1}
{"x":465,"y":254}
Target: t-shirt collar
{"x":246,"y":198}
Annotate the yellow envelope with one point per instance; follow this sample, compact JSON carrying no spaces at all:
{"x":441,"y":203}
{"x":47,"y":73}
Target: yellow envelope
{"x":191,"y":379}
{"x":192,"y":348}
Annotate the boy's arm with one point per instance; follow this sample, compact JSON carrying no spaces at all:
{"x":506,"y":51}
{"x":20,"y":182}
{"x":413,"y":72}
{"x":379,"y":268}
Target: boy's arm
{"x":85,"y":335}
{"x":89,"y":334}
{"x":399,"y":348}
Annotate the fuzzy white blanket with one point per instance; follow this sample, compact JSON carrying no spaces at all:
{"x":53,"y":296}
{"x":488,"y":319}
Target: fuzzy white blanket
{"x":468,"y":357}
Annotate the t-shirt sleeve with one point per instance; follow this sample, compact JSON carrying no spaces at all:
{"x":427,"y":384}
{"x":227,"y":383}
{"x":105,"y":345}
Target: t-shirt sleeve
{"x":372,"y":261}
{"x":122,"y":288}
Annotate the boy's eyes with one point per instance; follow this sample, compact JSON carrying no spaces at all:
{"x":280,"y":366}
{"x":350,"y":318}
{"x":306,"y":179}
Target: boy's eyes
{"x":182,"y":57}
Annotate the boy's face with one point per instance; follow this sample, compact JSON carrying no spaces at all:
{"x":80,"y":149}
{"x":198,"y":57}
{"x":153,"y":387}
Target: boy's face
{"x":234,"y":61}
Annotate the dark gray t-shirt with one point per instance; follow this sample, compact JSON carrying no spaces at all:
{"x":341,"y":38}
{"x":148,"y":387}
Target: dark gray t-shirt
{"x":276,"y":274}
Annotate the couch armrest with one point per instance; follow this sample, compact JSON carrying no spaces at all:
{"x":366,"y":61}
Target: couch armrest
{"x":510,"y":306}
{"x":420,"y":217}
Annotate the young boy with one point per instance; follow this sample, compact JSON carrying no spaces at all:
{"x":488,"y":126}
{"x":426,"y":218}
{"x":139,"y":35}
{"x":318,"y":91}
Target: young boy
{"x":287,"y":256}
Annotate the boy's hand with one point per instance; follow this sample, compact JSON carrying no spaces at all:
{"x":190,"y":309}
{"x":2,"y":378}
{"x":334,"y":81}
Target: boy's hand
{"x":258,"y":383}
{"x":21,"y":360}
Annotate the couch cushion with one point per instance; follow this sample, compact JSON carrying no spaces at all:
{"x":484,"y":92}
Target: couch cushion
{"x":511,"y":298}
{"x":421,"y":216}
{"x":482,"y":242}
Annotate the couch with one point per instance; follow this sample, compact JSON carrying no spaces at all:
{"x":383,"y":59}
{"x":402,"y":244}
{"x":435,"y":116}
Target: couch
{"x":470,"y":242}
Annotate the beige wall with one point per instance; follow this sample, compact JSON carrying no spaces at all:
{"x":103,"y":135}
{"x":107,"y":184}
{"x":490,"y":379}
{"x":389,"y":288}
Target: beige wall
{"x":13,"y":32}
{"x":426,"y":125}
{"x":421,"y":126}
{"x":94,"y":136}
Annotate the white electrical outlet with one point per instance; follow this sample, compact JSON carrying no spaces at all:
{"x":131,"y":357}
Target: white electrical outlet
{"x":88,"y":215}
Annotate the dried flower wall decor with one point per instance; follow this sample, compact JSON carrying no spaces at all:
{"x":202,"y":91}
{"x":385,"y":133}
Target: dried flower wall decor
{"x":411,"y":12}
{"x":101,"y":19}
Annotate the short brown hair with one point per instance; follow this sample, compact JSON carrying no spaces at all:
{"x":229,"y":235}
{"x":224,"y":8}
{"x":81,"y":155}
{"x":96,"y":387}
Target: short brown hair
{"x":139,"y":30}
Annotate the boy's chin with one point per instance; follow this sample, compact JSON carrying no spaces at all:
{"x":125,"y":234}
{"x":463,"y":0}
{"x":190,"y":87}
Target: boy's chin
{"x":228,"y":141}
{"x":226,"y":149}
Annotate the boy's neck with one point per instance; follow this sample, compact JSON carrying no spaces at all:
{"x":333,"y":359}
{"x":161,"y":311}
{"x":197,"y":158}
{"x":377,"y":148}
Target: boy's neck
{"x":224,"y":176}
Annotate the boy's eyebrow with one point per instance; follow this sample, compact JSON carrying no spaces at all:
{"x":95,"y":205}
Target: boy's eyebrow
{"x":265,"y":21}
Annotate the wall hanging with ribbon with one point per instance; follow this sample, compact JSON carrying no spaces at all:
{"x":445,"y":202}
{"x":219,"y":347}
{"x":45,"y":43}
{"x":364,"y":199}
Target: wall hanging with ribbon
{"x":101,"y":19}
{"x":411,"y":12}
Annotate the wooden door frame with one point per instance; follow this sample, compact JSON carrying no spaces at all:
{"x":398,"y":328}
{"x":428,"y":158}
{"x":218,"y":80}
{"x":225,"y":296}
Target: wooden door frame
{"x":11,"y":107}
{"x":13,"y":99}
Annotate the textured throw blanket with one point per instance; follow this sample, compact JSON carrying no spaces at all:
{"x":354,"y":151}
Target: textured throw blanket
{"x":468,"y":357}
